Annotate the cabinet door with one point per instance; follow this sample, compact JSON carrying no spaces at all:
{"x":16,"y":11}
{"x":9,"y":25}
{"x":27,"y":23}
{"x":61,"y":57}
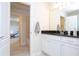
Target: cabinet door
{"x":67,"y":40}
{"x":44,"y":44}
{"x":35,"y":44}
{"x":53,"y":47}
{"x":69,"y":50}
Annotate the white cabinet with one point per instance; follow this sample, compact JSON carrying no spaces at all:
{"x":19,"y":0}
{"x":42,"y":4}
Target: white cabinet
{"x":51,"y":46}
{"x":69,"y":50}
{"x":76,"y":41}
{"x":67,"y":40}
{"x":69,"y":46}
{"x":60,"y":45}
{"x":44,"y":44}
{"x":35,"y":44}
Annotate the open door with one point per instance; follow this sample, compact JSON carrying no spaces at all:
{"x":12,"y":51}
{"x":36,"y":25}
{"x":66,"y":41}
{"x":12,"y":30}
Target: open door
{"x":22,"y":11}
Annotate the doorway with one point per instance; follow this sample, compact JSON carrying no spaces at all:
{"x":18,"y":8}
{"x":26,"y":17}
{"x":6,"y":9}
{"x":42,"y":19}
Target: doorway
{"x":20,"y":29}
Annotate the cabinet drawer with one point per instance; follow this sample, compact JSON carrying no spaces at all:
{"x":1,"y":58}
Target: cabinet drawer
{"x":69,"y":50}
{"x":67,"y":39}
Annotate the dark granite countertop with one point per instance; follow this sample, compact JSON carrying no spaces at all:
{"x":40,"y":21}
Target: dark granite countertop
{"x":57,"y":33}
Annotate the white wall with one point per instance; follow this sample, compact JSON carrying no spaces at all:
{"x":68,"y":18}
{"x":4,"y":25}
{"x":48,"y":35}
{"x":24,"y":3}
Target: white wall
{"x":5,"y":22}
{"x":54,"y":19}
{"x":39,"y":12}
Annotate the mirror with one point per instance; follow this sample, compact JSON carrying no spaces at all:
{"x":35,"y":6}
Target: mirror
{"x":71,"y":22}
{"x":64,"y":18}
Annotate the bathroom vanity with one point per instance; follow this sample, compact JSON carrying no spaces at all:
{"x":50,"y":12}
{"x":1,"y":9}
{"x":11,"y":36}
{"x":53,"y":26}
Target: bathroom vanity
{"x":55,"y":44}
{"x":62,"y":38}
